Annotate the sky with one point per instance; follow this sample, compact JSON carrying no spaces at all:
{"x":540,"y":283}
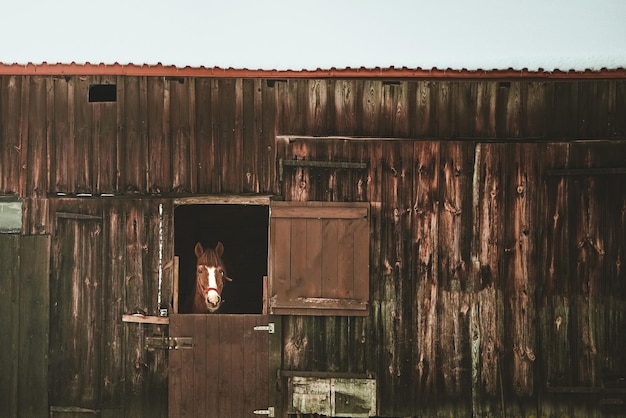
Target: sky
{"x":319,"y":34}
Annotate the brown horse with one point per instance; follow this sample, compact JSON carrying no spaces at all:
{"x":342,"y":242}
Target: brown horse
{"x":210,"y":276}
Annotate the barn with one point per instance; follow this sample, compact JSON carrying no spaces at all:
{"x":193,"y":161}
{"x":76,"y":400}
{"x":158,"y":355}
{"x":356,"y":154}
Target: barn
{"x":402,"y":242}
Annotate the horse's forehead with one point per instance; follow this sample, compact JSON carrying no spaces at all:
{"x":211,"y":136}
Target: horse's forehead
{"x":209,"y":258}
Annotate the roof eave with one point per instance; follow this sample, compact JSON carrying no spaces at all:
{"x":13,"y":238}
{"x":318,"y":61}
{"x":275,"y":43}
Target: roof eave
{"x":62,"y":69}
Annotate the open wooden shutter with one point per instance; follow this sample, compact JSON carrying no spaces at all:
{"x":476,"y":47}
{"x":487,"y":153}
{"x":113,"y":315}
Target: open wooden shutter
{"x":319,"y":258}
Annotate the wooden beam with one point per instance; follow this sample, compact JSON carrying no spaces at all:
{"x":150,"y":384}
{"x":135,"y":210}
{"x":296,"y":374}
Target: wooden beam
{"x":144,"y":319}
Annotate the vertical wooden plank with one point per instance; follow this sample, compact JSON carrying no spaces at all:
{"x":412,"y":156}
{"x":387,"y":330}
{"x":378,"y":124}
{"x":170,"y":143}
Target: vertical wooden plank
{"x":302,"y":185}
{"x":314,"y":256}
{"x":34,"y":297}
{"x":10,"y":261}
{"x":553,"y":252}
{"x":360,"y":260}
{"x":299,"y":280}
{"x":104,"y":137}
{"x":134,"y":147}
{"x":534,"y":108}
{"x":345,"y":106}
{"x":423,"y":115}
{"x":280,"y":259}
{"x":520,"y":271}
{"x":181,"y":135}
{"x":563,"y":102}
{"x":136,"y":240}
{"x":396,"y":317}
{"x":330,"y":257}
{"x":229,"y":135}
{"x":457,"y":167}
{"x":22,"y":157}
{"x":589,"y":234}
{"x":486,"y":252}
{"x":193,"y":146}
{"x":369,"y":110}
{"x":425,"y":240}
{"x":464,"y":105}
{"x":317,"y":104}
{"x":9,"y":133}
{"x":159,"y":146}
{"x":487,"y":214}
{"x":274,"y":363}
{"x":83,"y":147}
{"x":187,"y":328}
{"x":206,"y":176}
{"x":514,"y":110}
{"x":344,"y":256}
{"x":454,"y":244}
{"x":271,"y":125}
{"x":175,"y":370}
{"x":167,"y":285}
{"x":202,"y":367}
{"x":485,"y":121}
{"x":37,"y":163}
{"x":248,"y":391}
{"x":225,"y":359}
{"x":135,"y":302}
{"x":113,"y":293}
{"x":252,"y":131}
{"x":445,"y":123}
{"x":239,"y":368}
{"x":62,"y":137}
{"x":214,"y":366}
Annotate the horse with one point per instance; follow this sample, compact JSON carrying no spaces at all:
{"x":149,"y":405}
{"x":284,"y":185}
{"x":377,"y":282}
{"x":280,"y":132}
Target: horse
{"x":210,"y":276}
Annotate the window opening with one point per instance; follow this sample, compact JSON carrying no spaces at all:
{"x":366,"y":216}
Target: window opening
{"x":102,"y":93}
{"x":10,"y":215}
{"x":242,"y":229}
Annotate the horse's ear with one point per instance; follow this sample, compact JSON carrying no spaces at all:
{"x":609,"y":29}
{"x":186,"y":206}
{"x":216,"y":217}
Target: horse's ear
{"x":198,"y":250}
{"x":219,"y":249}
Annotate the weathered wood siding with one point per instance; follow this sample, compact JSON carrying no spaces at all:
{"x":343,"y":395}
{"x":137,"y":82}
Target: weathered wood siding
{"x":24,"y":291}
{"x":496,"y":277}
{"x":206,"y":135}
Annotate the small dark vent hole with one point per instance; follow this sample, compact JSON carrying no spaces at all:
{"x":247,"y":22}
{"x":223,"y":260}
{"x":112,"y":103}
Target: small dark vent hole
{"x":102,"y":93}
{"x":272,"y":82}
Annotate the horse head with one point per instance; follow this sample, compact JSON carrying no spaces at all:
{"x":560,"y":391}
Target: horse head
{"x":210,"y":276}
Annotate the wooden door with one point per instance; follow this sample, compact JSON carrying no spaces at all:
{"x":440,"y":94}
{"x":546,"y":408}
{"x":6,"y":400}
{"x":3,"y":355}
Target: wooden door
{"x":24,"y":308}
{"x":225,"y":372}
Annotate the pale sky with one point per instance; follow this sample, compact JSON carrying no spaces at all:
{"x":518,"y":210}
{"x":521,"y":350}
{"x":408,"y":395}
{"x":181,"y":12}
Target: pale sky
{"x":284,"y":34}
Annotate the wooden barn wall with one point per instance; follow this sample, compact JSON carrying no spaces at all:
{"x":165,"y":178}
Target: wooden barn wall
{"x":495,"y":282}
{"x":209,"y":135}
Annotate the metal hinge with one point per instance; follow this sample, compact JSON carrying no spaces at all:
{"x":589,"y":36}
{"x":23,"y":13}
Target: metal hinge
{"x":269,"y":411}
{"x":169,"y":343}
{"x":269,"y":328}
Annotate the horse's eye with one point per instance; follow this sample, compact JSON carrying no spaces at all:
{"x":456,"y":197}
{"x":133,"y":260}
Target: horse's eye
{"x":222,"y":271}
{"x":199,"y":271}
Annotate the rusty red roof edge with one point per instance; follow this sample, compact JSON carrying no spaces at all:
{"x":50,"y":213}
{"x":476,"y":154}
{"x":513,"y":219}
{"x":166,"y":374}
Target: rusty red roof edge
{"x":390,"y":72}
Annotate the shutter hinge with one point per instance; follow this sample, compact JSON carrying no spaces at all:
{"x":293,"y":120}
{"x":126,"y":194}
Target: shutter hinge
{"x":269,"y":412}
{"x":269,"y":328}
{"x":169,"y":343}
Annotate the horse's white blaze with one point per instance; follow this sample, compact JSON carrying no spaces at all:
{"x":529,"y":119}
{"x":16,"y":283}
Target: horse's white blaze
{"x":213,"y":296}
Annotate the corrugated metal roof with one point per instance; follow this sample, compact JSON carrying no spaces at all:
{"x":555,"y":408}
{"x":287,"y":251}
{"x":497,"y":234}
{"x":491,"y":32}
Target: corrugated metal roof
{"x":391,"y":72}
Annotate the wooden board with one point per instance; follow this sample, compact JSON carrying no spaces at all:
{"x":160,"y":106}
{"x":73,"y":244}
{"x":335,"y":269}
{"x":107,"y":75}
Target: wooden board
{"x":319,"y":256}
{"x":24,"y":288}
{"x":226,"y":373}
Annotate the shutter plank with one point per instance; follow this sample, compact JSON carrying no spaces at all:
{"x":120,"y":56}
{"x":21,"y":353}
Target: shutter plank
{"x":318,"y":249}
{"x":319,"y":212}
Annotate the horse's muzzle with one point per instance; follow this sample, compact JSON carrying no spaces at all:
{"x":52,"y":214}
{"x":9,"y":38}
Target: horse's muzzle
{"x":213,"y":305}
